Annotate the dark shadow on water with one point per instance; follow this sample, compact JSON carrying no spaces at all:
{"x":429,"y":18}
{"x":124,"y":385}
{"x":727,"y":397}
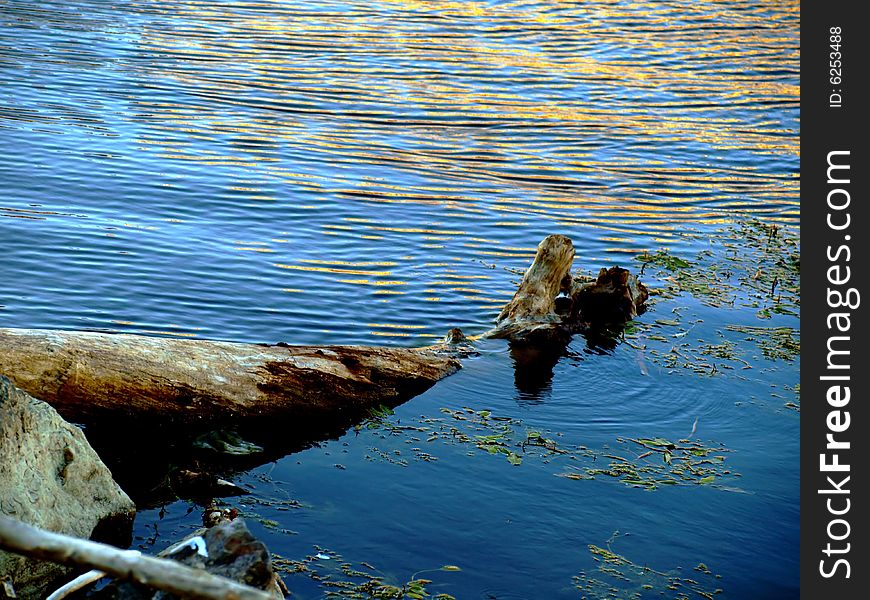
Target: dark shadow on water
{"x":603,"y":340}
{"x":533,"y":369}
{"x":534,"y":363}
{"x":153,"y":461}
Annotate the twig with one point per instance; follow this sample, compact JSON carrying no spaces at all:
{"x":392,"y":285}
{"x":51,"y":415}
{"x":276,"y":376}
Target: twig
{"x":76,"y":584}
{"x":167,"y":575}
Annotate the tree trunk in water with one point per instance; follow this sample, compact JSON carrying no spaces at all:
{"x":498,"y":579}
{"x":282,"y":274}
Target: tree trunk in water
{"x":86,"y":375}
{"x":551,"y":304}
{"x":535,"y":298}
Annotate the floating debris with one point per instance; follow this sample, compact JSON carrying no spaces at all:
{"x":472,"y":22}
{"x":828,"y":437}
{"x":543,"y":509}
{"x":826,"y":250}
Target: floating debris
{"x":619,"y":577}
{"x":646,"y":463}
{"x":796,"y":405}
{"x":338,"y":578}
{"x":757,"y":266}
{"x":226,"y":442}
{"x":197,"y":544}
{"x":760,"y":267}
{"x":775,"y":343}
{"x":663,"y":462}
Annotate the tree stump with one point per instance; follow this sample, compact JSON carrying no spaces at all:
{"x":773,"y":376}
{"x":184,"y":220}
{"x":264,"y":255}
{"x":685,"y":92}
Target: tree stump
{"x":551,"y":304}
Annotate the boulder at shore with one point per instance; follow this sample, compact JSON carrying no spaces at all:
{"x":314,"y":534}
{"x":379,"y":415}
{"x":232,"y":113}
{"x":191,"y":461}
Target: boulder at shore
{"x":50,"y":477}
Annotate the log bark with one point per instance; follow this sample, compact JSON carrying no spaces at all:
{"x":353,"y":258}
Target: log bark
{"x":614,"y":297}
{"x":86,"y":375}
{"x":162,"y":574}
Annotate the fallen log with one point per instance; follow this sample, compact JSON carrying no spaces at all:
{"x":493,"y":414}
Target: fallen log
{"x":87,"y":375}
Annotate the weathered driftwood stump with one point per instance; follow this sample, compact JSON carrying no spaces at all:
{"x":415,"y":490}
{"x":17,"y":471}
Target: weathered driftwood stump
{"x":87,"y":375}
{"x":551,"y":304}
{"x":549,"y":274}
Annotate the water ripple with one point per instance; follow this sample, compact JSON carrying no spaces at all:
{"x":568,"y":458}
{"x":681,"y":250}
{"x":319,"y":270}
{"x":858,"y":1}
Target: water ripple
{"x":186,"y":141}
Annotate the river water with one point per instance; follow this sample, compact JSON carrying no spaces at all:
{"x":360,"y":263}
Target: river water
{"x":377,"y":173}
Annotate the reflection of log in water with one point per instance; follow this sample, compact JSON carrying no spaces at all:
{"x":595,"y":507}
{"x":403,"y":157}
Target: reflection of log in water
{"x":533,"y":367}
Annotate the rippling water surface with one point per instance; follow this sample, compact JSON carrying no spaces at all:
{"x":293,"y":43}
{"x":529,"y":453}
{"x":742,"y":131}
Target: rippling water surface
{"x":341,"y":172}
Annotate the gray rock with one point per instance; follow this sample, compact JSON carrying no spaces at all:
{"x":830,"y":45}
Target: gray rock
{"x":50,"y":477}
{"x":227,"y":549}
{"x":234,"y":553}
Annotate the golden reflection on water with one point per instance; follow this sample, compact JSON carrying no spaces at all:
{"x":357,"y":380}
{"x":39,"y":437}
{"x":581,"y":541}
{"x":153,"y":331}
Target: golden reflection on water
{"x":609,"y":119}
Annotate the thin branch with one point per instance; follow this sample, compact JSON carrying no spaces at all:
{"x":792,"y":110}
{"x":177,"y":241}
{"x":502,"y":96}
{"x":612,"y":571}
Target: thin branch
{"x":167,"y":575}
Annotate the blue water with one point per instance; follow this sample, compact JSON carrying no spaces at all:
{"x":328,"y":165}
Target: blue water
{"x":376,"y":173}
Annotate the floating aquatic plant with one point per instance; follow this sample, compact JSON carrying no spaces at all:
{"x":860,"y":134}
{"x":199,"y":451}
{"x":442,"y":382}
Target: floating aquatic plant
{"x":756,"y":266}
{"x":759,"y":267}
{"x":775,"y":343}
{"x":619,"y":577}
{"x":662,"y":462}
{"x":342,"y":579}
{"x":646,"y":463}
